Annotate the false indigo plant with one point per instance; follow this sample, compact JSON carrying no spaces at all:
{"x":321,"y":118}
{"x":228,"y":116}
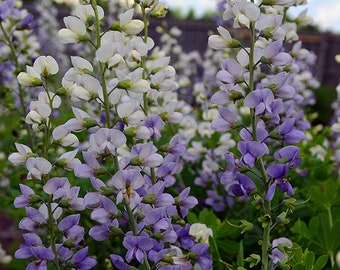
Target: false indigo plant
{"x":115,"y":156}
{"x":122,"y":100}
{"x":262,"y":78}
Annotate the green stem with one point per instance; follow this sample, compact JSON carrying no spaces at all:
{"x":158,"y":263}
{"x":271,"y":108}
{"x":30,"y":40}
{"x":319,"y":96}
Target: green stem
{"x":267,"y":204}
{"x":101,"y":66}
{"x":50,"y":197}
{"x":330,"y":218}
{"x":134,"y":230}
{"x":51,"y":232}
{"x":143,"y":60}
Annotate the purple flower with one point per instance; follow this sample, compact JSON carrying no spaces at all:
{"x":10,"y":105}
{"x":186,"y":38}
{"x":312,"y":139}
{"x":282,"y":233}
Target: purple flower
{"x":88,"y":169}
{"x":137,"y":246}
{"x":226,"y":121}
{"x":69,"y":226}
{"x":127,"y":182}
{"x":278,"y":172}
{"x":145,"y":155}
{"x":119,"y":262}
{"x":154,"y":123}
{"x":231,"y":73}
{"x":105,"y":141}
{"x":260,"y":100}
{"x":107,"y":212}
{"x":33,"y":248}
{"x":277,"y":255}
{"x":81,"y":261}
{"x":288,"y":133}
{"x":242,"y":187}
{"x":204,"y":259}
{"x":289,"y":154}
{"x":34,"y":219}
{"x":215,"y":200}
{"x":275,"y":56}
{"x":25,"y":198}
{"x":28,"y":22}
{"x":156,"y":196}
{"x":184,"y":202}
{"x":7,"y":8}
{"x":251,"y":150}
{"x":175,"y":147}
{"x":102,"y":232}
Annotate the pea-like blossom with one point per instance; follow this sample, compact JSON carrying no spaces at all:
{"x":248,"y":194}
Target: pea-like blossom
{"x":75,"y":30}
{"x":251,"y":150}
{"x":46,"y":65}
{"x":200,"y":232}
{"x":39,"y":113}
{"x":243,"y":11}
{"x":127,"y":182}
{"x":278,"y":174}
{"x":20,"y":157}
{"x":276,"y":254}
{"x":105,"y":141}
{"x":26,"y":197}
{"x":146,"y":155}
{"x":37,"y":167}
{"x":128,"y":25}
{"x":81,"y":260}
{"x":137,"y":246}
{"x":33,"y":248}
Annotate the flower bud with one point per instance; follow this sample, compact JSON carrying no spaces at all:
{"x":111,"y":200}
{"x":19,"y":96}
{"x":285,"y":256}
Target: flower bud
{"x":159,"y":11}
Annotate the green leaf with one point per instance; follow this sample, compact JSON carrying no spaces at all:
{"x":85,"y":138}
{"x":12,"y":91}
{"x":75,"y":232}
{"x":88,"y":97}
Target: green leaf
{"x":208,"y":218}
{"x":240,"y":255}
{"x":229,"y":247}
{"x":192,"y":218}
{"x":320,"y":262}
{"x":313,"y":226}
{"x":300,"y":227}
{"x":309,"y":259}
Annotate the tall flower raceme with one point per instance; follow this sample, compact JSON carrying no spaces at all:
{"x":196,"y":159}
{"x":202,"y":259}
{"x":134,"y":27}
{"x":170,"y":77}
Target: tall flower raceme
{"x":53,"y":236}
{"x":264,"y":79}
{"x":122,"y":102}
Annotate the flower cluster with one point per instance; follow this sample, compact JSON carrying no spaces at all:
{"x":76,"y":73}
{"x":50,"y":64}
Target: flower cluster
{"x":264,"y":81}
{"x":122,"y":102}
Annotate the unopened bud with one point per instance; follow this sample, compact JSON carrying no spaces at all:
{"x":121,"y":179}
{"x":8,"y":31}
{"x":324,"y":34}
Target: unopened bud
{"x":159,"y":11}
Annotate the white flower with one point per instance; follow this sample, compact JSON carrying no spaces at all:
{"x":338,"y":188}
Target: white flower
{"x":75,"y":30}
{"x":221,"y":41}
{"x":68,"y":160}
{"x":87,"y":87}
{"x":46,"y":65}
{"x":64,"y":137}
{"x":29,"y":78}
{"x":86,"y":11}
{"x":21,"y":156}
{"x":37,"y":167}
{"x":130,"y":112}
{"x":39,"y":113}
{"x":200,"y":232}
{"x":112,"y":53}
{"x":81,"y":121}
{"x":128,"y":25}
{"x":56,"y":100}
{"x":4,"y":259}
{"x":244,"y":12}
